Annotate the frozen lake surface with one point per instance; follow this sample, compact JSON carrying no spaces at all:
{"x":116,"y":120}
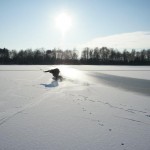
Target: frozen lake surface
{"x":94,"y":108}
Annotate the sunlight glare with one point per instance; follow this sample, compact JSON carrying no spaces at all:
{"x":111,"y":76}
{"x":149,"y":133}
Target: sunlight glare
{"x":63,"y":22}
{"x":70,"y":73}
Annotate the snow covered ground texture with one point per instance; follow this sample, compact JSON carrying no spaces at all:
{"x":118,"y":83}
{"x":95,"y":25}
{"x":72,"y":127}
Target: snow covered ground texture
{"x":93,"y":108}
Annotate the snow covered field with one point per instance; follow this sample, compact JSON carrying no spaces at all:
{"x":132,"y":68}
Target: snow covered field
{"x":94,"y":108}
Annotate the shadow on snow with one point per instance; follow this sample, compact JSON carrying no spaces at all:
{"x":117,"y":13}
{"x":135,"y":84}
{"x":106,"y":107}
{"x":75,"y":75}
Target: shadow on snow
{"x":52,"y":84}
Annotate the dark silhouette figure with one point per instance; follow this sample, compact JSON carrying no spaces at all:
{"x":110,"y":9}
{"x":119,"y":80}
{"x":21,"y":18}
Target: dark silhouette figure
{"x":55,"y":72}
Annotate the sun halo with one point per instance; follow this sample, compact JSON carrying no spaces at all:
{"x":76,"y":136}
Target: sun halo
{"x":63,"y":22}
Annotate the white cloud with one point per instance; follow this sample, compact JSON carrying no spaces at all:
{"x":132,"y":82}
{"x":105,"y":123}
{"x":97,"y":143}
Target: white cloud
{"x":137,"y":40}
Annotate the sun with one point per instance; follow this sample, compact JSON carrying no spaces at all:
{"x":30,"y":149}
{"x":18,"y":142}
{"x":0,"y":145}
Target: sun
{"x":63,"y":22}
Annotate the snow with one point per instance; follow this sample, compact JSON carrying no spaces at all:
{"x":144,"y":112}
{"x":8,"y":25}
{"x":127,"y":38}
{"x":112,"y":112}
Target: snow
{"x":140,"y":72}
{"x":93,"y":108}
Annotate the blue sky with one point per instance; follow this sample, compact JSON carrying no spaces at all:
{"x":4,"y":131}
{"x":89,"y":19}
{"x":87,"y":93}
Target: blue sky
{"x":30,"y":23}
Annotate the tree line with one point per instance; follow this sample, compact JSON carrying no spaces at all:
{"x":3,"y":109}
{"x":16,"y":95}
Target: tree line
{"x":38,"y":56}
{"x":111,"y":56}
{"x":96,"y":56}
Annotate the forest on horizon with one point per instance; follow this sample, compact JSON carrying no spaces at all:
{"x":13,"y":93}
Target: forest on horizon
{"x":89,"y":56}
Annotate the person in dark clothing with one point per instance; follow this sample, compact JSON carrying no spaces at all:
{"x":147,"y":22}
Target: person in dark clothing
{"x":55,"y":72}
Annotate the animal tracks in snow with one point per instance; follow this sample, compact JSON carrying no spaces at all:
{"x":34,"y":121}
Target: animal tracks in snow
{"x":88,"y":106}
{"x":84,"y":102}
{"x":80,"y":101}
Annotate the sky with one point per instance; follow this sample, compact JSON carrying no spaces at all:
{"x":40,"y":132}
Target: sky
{"x":119,"y":24}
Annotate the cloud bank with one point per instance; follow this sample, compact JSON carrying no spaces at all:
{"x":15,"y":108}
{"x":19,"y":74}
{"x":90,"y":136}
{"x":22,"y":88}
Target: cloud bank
{"x":134,"y":40}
